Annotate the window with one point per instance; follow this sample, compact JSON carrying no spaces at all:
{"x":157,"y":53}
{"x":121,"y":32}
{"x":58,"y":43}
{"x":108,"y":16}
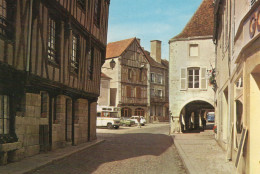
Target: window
{"x":194,"y":50}
{"x":74,"y":60}
{"x":159,"y":78}
{"x":91,"y":63}
{"x":152,"y":77}
{"x":4,"y":114}
{"x":128,"y":91}
{"x":138,"y":92}
{"x":82,"y":4}
{"x":6,"y":17}
{"x":97,"y":10}
{"x":130,"y":74}
{"x":159,"y":93}
{"x":152,"y":92}
{"x":193,"y":78}
{"x":52,"y":39}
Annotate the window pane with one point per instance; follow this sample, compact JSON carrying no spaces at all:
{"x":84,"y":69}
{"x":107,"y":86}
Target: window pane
{"x":190,"y":84}
{"x":197,"y":72}
{"x":196,"y":84}
{"x":190,"y":72}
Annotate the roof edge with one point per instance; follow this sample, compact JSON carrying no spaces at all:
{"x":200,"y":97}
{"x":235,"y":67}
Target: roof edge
{"x":191,"y":38}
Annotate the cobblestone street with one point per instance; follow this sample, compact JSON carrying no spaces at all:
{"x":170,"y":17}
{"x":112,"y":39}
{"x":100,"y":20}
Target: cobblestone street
{"x":127,"y":150}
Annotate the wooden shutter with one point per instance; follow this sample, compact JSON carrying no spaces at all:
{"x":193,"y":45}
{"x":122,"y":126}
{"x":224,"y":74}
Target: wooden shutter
{"x":138,"y":92}
{"x":183,"y":78}
{"x":203,"y":80}
{"x":128,"y":91}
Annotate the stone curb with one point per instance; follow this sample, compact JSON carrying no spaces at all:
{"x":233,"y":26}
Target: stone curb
{"x":29,"y":164}
{"x":187,"y":164}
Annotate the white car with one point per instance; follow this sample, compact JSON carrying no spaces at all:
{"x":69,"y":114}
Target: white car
{"x":142,"y":120}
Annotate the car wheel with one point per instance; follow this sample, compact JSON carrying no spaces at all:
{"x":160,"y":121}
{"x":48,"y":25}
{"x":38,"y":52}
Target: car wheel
{"x":116,"y":127}
{"x":109,"y":125}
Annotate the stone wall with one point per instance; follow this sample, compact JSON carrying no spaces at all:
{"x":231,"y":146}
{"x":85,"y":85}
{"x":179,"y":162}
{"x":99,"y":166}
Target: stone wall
{"x":81,"y":121}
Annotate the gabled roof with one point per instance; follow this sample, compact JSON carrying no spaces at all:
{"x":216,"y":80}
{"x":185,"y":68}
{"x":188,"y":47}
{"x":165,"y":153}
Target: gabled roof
{"x":201,"y":23}
{"x":116,"y":49}
{"x":152,"y":62}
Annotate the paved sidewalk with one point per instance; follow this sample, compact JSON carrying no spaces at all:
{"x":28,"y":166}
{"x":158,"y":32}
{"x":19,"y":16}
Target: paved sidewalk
{"x":201,"y":154}
{"x":40,"y":160}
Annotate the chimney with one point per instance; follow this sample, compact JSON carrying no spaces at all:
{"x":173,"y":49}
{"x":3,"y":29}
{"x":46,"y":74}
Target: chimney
{"x":156,"y":50}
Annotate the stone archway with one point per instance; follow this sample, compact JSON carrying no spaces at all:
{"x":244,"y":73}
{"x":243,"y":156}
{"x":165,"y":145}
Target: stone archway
{"x":192,"y":114}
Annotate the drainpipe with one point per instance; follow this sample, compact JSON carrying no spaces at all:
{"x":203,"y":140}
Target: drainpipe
{"x":29,"y":38}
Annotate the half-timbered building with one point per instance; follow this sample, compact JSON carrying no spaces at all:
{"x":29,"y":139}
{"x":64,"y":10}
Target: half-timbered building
{"x":51,"y":52}
{"x":159,"y":99}
{"x":129,"y":87}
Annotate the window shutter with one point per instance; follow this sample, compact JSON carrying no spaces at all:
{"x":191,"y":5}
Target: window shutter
{"x":203,"y":78}
{"x":128,"y":91}
{"x":183,"y":78}
{"x":138,"y":92}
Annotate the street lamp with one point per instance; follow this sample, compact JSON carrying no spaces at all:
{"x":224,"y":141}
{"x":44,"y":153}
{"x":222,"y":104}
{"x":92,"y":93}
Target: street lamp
{"x":112,"y":64}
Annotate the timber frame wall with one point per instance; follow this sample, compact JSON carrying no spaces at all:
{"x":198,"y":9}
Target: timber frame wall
{"x":26,"y":75}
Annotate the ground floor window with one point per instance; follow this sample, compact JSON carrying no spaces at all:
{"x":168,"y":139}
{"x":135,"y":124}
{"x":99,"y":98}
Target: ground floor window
{"x":126,"y":112}
{"x":139,"y":112}
{"x":4,"y":114}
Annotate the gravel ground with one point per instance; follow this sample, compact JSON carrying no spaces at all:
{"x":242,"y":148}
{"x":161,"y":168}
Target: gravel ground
{"x":146,"y":150}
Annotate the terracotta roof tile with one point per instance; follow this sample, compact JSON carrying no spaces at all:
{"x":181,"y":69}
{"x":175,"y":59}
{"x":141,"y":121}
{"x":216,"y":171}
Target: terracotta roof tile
{"x":115,"y":49}
{"x":201,"y":23}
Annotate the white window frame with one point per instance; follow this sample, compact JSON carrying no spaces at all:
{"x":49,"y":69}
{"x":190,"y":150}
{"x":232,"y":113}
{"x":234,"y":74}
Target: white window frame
{"x":193,"y":77}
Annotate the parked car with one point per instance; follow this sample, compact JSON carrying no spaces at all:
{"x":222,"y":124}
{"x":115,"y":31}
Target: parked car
{"x":135,"y":119}
{"x":211,"y":117}
{"x":126,"y":122}
{"x":108,"y":119}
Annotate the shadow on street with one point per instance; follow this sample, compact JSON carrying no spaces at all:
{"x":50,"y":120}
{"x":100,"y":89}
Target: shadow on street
{"x":116,"y":148}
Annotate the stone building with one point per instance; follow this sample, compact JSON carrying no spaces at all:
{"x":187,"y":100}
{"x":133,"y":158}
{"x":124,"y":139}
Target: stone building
{"x":236,"y":34}
{"x":51,"y":53}
{"x":159,"y":99}
{"x":191,"y":58}
{"x":104,"y":97}
{"x":129,"y":87}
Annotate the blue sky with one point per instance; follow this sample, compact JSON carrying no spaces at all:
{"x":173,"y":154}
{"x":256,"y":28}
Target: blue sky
{"x":149,"y":20}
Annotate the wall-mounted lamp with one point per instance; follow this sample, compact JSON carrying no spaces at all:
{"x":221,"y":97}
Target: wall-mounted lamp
{"x":112,"y":64}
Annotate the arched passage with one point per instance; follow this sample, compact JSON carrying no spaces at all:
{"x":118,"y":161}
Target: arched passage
{"x":193,"y":113}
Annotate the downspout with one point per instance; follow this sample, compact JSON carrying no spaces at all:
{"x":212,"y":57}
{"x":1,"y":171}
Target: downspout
{"x":29,"y":38}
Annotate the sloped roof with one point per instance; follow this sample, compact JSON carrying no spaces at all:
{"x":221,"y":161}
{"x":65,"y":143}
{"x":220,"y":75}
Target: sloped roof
{"x":152,"y":62}
{"x":105,"y":76}
{"x":201,"y":23}
{"x":116,"y":49}
{"x":165,"y":63}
